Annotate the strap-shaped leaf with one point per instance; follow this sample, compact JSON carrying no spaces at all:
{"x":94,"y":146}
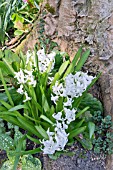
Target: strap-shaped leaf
{"x":11,"y":119}
{"x":18,"y":149}
{"x":2,"y":108}
{"x":6,"y":89}
{"x":42,"y":131}
{"x":81,"y":112}
{"x":86,"y":143}
{"x":3,"y":67}
{"x":63,"y":67}
{"x":73,"y":63}
{"x":82,"y":60}
{"x":30,"y":127}
{"x":60,"y":72}
{"x":11,"y":70}
{"x":33,"y":139}
{"x":91,"y":127}
{"x":79,"y":123}
{"x":44,"y":101}
{"x":18,"y":107}
{"x":37,"y":105}
{"x":46,"y":119}
{"x":34,"y":151}
{"x":5,"y":104}
{"x":76,"y":132}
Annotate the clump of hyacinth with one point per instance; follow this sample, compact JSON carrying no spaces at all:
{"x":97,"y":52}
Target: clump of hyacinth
{"x":69,"y":88}
{"x":72,"y":87}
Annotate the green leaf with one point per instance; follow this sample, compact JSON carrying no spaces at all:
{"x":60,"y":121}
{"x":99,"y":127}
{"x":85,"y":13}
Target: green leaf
{"x":59,"y":106}
{"x":3,"y":67}
{"x":44,"y":101}
{"x":74,"y":63}
{"x":86,"y":143}
{"x":2,"y":35}
{"x":11,"y":119}
{"x":11,"y":57}
{"x":63,"y":67}
{"x":56,"y":77}
{"x":11,"y":70}
{"x":42,"y":131}
{"x":19,"y":147}
{"x":58,"y":60}
{"x":18,"y":107}
{"x":79,"y":123}
{"x":93,"y":103}
{"x":60,"y":72}
{"x":81,"y":112}
{"x":5,"y":104}
{"x":6,"y":142}
{"x":34,"y":151}
{"x":30,"y":163}
{"x":2,"y":108}
{"x":7,"y":165}
{"x":6,"y":89}
{"x":82,"y":60}
{"x":37,"y":105}
{"x":46,"y":119}
{"x":18,"y":32}
{"x":76,"y":132}
{"x":30,"y":118}
{"x":91,"y":127}
{"x":33,"y":139}
{"x":28,"y":126}
{"x":16,"y":97}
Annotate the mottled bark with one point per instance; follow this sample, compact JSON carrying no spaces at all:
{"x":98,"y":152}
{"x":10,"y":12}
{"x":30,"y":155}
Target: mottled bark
{"x":87,"y":21}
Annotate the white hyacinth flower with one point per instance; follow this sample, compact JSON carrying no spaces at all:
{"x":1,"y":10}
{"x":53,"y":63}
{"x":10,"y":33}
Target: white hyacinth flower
{"x":20,"y":77}
{"x":68,"y":102}
{"x":58,"y":116}
{"x":54,"y":98}
{"x":49,"y":146}
{"x":61,"y":139}
{"x":44,"y":60}
{"x":69,"y":115}
{"x":27,"y":97}
{"x":20,"y":90}
{"x":41,"y":54}
{"x":58,"y":88}
{"x":30,"y":78}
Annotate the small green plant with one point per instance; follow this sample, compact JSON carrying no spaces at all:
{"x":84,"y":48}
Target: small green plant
{"x":104,"y":136}
{"x":16,"y":17}
{"x":14,"y":144}
{"x":26,"y":162}
{"x":7,"y":7}
{"x":24,"y":17}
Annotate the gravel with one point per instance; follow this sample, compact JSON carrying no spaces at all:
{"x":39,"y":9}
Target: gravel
{"x":81,"y":160}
